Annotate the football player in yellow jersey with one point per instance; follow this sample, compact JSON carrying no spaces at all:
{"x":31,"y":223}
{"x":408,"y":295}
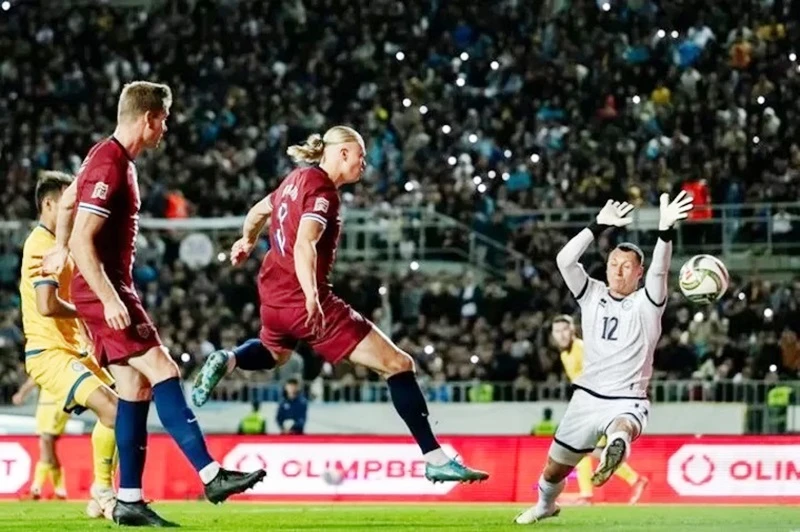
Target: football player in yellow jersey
{"x":56,"y":346}
{"x":571,"y":348}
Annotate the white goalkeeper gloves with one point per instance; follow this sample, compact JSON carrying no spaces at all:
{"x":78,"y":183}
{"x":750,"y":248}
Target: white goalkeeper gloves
{"x":615,"y":213}
{"x":671,"y":212}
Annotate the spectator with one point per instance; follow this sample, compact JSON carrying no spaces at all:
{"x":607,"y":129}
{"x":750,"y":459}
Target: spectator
{"x":293,"y":409}
{"x":253,"y":422}
{"x":545,"y":427}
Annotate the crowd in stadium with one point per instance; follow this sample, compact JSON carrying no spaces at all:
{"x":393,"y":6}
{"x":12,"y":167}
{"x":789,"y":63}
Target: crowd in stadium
{"x":483,"y":110}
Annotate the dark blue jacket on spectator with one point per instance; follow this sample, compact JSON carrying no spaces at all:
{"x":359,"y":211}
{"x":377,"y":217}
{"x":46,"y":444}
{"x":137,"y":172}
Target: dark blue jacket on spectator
{"x":295,"y":410}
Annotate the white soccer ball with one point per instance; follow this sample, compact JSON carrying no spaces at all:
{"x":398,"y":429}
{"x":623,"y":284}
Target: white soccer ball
{"x":703,"y":279}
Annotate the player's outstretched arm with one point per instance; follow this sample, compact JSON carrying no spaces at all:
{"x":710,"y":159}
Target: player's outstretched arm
{"x":613,"y":214}
{"x":257,"y":218}
{"x":655,"y":284}
{"x":254,"y":223}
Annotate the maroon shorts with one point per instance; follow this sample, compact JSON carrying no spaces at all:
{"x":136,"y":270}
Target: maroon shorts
{"x":116,"y":347}
{"x":283,"y":327}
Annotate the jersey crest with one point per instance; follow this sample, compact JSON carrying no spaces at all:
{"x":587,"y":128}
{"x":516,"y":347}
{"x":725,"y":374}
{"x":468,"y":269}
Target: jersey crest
{"x":143,"y":330}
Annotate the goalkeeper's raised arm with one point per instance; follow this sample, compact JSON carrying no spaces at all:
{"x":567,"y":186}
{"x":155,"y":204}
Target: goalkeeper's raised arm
{"x":655,"y":283}
{"x":613,"y":214}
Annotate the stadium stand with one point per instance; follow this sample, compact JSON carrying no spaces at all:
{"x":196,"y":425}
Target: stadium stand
{"x":487,"y":112}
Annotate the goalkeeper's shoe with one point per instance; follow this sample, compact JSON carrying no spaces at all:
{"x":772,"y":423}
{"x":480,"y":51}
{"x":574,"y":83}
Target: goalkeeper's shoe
{"x":228,"y":483}
{"x":139,"y":514}
{"x":613,"y":456}
{"x":215,"y":367}
{"x":534,"y":514}
{"x":454,"y":471}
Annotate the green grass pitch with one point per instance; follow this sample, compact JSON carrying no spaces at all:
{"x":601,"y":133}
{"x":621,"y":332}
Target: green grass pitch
{"x":67,"y":516}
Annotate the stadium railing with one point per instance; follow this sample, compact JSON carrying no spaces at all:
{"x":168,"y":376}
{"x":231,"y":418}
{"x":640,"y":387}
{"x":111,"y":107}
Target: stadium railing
{"x":400,"y":235}
{"x":752,"y":392}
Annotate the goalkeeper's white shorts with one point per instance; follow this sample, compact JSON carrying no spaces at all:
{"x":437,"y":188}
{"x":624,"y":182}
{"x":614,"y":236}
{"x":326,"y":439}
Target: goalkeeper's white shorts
{"x":587,"y":419}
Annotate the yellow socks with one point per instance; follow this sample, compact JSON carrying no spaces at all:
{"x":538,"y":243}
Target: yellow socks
{"x":584,"y":472}
{"x":104,"y":451}
{"x":628,"y":474}
{"x":40,"y":474}
{"x":59,"y":482}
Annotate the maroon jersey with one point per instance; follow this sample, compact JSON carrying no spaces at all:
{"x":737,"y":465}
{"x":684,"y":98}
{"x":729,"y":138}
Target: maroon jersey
{"x":305,"y":194}
{"x":108,"y":187}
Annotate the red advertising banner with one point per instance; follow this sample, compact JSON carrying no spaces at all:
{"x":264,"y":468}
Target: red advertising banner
{"x":680,"y":469}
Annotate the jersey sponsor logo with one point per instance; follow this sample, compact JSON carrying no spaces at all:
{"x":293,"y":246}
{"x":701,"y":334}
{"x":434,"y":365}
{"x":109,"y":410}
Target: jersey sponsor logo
{"x":321,"y":205}
{"x":100,"y":191}
{"x":627,"y":304}
{"x":77,"y":367}
{"x":143,"y":330}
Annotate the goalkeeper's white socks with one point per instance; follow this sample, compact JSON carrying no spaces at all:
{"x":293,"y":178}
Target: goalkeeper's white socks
{"x":548,"y":493}
{"x":546,"y":505}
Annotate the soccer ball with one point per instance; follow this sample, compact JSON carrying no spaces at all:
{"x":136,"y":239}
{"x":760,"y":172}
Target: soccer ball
{"x":703,"y":279}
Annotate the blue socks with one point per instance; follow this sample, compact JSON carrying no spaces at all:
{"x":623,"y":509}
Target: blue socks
{"x":130,"y":430}
{"x":181,"y":423}
{"x":253,"y":356}
{"x":410,"y":404}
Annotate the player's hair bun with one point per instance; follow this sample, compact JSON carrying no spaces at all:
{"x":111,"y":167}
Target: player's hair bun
{"x":310,"y":152}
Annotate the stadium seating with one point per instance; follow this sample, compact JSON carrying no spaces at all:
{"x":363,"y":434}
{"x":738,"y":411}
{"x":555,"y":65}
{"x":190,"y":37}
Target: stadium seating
{"x":483,"y":111}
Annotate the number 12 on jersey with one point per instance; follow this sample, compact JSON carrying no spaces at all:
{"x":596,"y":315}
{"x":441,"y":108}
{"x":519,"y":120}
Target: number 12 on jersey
{"x":280,"y":235}
{"x":610,"y":328}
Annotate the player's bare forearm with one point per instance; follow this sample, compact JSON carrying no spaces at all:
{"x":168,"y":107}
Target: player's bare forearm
{"x":567,"y":259}
{"x":305,"y":265}
{"x":65,"y":216}
{"x":26,"y":388}
{"x":50,"y":305}
{"x":88,"y":263}
{"x":305,"y":255}
{"x":657,"y":275}
{"x":257,"y":218}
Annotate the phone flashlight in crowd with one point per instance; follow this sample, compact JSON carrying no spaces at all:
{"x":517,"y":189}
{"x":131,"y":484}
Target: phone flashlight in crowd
{"x":773,"y":368}
{"x":768,"y":313}
{"x":429,"y":349}
{"x":741,"y":296}
{"x":699,"y":317}
{"x":474,"y":359}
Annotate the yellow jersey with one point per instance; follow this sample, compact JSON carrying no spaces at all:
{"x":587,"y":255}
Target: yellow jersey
{"x":572,"y":359}
{"x":41,"y":332}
